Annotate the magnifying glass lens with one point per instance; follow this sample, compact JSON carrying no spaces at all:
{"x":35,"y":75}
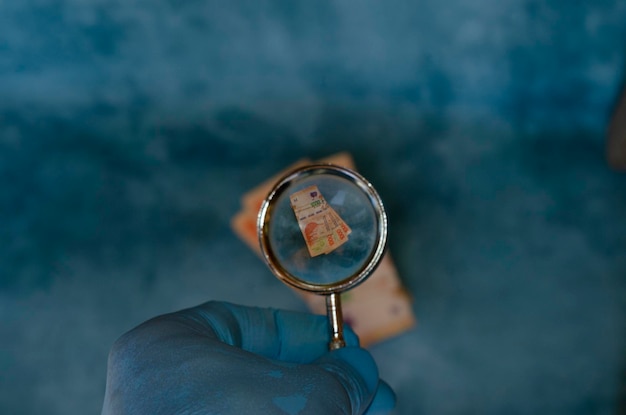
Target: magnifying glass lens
{"x":350,"y":205}
{"x":323,"y":229}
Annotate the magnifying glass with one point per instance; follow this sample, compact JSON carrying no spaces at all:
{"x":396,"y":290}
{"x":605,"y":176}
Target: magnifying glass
{"x":323,"y":229}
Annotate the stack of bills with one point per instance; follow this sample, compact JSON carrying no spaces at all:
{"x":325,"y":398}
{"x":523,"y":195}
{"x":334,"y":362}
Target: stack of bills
{"x":378,"y":308}
{"x":322,"y":228}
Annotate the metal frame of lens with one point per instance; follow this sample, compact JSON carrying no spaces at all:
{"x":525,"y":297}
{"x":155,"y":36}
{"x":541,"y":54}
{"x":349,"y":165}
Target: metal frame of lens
{"x":267,"y":210}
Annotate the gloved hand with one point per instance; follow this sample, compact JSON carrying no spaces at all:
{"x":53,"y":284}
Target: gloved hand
{"x":221,"y":358}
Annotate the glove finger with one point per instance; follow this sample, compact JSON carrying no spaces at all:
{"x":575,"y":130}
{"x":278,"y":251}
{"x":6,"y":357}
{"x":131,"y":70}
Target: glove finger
{"x":304,"y":337}
{"x":384,"y":400}
{"x":356,"y":372}
{"x":277,"y":334}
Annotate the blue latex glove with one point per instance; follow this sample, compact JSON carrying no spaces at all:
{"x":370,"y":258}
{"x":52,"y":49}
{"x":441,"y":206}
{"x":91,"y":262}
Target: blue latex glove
{"x":221,"y":358}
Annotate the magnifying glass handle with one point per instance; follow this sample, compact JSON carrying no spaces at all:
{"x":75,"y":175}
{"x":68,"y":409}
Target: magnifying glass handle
{"x":335,"y":318}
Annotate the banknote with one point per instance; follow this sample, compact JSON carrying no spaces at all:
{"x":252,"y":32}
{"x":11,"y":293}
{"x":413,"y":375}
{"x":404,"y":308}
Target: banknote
{"x":244,"y":222}
{"x":377,"y":309}
{"x":253,"y":199}
{"x":322,"y":228}
{"x":307,"y":200}
{"x":341,"y":227}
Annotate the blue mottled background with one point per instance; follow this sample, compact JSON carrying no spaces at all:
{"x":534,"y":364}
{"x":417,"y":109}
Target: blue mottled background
{"x":129,"y":130}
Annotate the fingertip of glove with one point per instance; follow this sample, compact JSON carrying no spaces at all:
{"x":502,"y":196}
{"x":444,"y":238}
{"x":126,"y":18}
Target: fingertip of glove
{"x":351,"y":337}
{"x":384,"y":401}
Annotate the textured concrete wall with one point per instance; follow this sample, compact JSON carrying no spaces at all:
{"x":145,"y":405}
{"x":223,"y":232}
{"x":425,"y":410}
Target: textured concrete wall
{"x":129,"y":130}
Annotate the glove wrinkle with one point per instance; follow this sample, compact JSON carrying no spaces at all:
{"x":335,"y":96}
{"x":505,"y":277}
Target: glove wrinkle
{"x":220,"y":318}
{"x":225,"y":358}
{"x":356,"y":371}
{"x":348,"y":384}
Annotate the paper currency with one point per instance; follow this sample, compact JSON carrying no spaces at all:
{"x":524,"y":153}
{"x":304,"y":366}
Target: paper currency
{"x":377,"y":309}
{"x":322,"y":228}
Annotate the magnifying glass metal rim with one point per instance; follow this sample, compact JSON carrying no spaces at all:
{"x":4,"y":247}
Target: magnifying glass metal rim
{"x":267,"y":209}
{"x":331,"y":291}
